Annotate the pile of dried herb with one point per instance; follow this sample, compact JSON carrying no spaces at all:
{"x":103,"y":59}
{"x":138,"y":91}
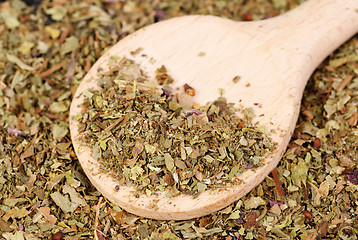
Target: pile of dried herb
{"x":46,"y":49}
{"x":142,"y":135}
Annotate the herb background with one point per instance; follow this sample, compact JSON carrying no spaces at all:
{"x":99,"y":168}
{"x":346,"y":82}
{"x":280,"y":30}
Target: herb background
{"x":46,"y":47}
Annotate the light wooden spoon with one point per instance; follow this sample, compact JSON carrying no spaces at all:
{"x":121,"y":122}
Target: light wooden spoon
{"x":273,"y":58}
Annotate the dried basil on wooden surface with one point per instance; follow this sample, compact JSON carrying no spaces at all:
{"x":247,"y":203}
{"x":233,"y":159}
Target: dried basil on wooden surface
{"x":44,"y":54}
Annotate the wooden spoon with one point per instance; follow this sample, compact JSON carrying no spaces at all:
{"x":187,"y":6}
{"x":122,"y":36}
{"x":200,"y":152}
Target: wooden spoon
{"x":273,"y":58}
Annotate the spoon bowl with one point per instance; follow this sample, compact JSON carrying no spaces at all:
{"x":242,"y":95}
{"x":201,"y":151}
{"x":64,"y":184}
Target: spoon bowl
{"x":273,"y":60}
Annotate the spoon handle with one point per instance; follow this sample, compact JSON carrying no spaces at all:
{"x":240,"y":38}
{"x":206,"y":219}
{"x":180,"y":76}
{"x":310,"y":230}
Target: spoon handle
{"x":319,"y":27}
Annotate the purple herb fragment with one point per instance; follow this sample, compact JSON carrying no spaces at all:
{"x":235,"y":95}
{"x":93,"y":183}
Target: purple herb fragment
{"x":16,"y":132}
{"x":248,"y":166}
{"x":71,"y":71}
{"x":166,"y":92}
{"x":122,"y":35}
{"x":99,"y":235}
{"x":237,"y":236}
{"x":111,"y":29}
{"x":159,"y":15}
{"x":272,"y":203}
{"x":353,"y":177}
{"x":22,"y":228}
{"x":241,"y":219}
{"x":194,"y":111}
